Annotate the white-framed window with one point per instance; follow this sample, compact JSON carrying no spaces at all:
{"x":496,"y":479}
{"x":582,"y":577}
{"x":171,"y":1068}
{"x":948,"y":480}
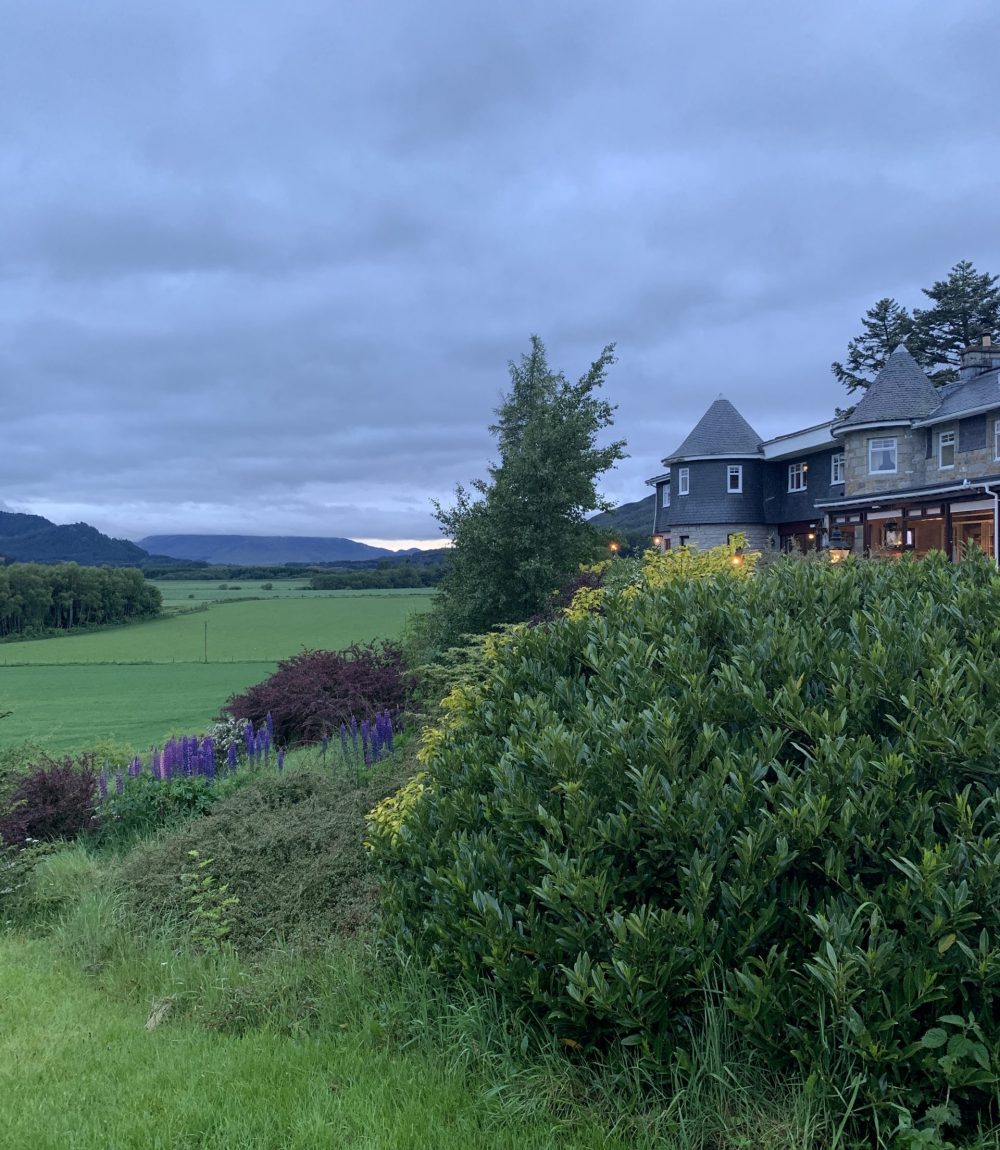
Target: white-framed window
{"x":837,"y":468}
{"x":665,"y":496}
{"x":996,"y":439}
{"x":797,"y":476}
{"x":734,"y":479}
{"x":683,"y":481}
{"x":881,"y":456}
{"x":946,"y":449}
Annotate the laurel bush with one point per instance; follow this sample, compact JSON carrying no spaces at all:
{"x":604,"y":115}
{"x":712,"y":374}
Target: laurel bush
{"x":778,"y":792}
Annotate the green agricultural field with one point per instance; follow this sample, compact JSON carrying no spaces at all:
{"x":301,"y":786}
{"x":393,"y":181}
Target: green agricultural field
{"x":143,"y":682}
{"x":188,"y":593}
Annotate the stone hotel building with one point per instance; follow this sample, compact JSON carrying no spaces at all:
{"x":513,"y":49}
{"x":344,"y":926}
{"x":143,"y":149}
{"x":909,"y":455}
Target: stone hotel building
{"x":912,"y":467}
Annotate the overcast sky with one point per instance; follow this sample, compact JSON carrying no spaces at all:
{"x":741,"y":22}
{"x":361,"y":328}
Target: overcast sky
{"x":262,"y":265}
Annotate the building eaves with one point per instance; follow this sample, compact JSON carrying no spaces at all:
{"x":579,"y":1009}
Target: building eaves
{"x":890,"y":497}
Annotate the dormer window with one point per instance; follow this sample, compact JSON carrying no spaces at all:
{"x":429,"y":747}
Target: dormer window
{"x":881,"y":456}
{"x":734,"y":479}
{"x":946,"y":450}
{"x":683,"y":480}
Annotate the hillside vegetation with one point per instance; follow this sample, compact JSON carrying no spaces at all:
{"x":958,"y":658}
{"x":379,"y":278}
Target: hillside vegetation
{"x":33,"y":539}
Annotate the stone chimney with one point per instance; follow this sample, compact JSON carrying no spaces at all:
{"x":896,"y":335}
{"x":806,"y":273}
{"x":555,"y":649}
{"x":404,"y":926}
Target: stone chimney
{"x":979,"y":358}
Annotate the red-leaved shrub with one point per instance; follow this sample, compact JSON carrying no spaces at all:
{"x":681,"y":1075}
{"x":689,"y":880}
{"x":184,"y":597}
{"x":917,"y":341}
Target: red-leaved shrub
{"x":312,"y":693}
{"x":54,"y":801}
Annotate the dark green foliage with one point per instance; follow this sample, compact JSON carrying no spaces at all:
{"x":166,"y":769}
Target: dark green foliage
{"x":527,"y":529}
{"x":628,"y":518}
{"x":964,"y":307}
{"x":35,"y":599}
{"x":288,"y":847}
{"x":885,"y":326}
{"x":32,"y":539}
{"x":313,"y":693}
{"x":784,"y":790}
{"x":54,"y":800}
{"x":147,"y":804}
{"x":383,"y":577}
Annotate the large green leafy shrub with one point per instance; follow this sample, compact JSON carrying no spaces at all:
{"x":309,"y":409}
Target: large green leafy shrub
{"x":782,"y":789}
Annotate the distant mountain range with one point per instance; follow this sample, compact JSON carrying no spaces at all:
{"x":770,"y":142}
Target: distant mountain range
{"x":628,"y":517}
{"x":33,"y":539}
{"x":262,"y":550}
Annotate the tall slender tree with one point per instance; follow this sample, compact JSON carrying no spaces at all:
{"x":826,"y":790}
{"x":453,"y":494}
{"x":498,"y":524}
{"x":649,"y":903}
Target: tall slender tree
{"x":965,"y":306}
{"x":517,"y":535}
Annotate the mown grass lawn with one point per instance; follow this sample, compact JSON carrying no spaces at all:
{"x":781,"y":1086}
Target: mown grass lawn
{"x":79,"y":1071}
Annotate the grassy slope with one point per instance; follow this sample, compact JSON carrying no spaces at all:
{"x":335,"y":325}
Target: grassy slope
{"x":79,"y":1072}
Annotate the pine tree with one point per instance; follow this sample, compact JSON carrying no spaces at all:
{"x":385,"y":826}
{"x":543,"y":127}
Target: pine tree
{"x":966,"y":306}
{"x":886,"y":325}
{"x":527,"y":530}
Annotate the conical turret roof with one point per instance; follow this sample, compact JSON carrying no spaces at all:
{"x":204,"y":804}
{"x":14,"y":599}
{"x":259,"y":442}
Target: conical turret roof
{"x":721,"y":431}
{"x":900,"y":391}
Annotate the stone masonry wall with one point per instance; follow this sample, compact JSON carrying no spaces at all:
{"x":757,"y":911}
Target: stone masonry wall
{"x":913,"y":468}
{"x":717,"y":535}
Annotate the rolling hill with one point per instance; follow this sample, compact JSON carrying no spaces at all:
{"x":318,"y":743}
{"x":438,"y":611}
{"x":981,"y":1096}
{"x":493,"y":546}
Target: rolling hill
{"x":630,"y":518}
{"x":261,"y":549}
{"x":33,"y":539}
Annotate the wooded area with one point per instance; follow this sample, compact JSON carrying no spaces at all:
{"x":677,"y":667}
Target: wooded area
{"x":35,"y":598}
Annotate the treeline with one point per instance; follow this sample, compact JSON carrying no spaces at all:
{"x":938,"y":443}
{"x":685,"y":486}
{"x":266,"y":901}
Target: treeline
{"x":423,"y":569}
{"x":37,"y":598}
{"x":384,"y":576}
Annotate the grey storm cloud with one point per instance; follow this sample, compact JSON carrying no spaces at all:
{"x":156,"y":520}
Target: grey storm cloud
{"x":262,"y":267}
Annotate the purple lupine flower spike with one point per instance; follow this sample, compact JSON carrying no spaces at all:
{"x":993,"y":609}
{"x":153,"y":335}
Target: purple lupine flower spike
{"x":102,"y":782}
{"x":119,"y":781}
{"x":231,"y":757}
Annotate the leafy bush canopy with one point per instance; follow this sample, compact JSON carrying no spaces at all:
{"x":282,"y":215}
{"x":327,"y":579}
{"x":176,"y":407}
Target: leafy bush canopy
{"x":782,"y":789}
{"x":54,"y":800}
{"x":313,"y":693}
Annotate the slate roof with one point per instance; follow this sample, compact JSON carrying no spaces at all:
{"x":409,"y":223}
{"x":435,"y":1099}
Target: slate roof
{"x":721,"y":431}
{"x":901,"y":391}
{"x":971,"y":395}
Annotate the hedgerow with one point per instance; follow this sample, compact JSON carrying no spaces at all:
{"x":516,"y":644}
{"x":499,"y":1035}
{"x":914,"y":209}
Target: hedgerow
{"x":778,"y":792}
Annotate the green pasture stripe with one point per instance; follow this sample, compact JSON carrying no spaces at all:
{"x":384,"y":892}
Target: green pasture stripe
{"x":179,"y":592}
{"x":266,"y":629}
